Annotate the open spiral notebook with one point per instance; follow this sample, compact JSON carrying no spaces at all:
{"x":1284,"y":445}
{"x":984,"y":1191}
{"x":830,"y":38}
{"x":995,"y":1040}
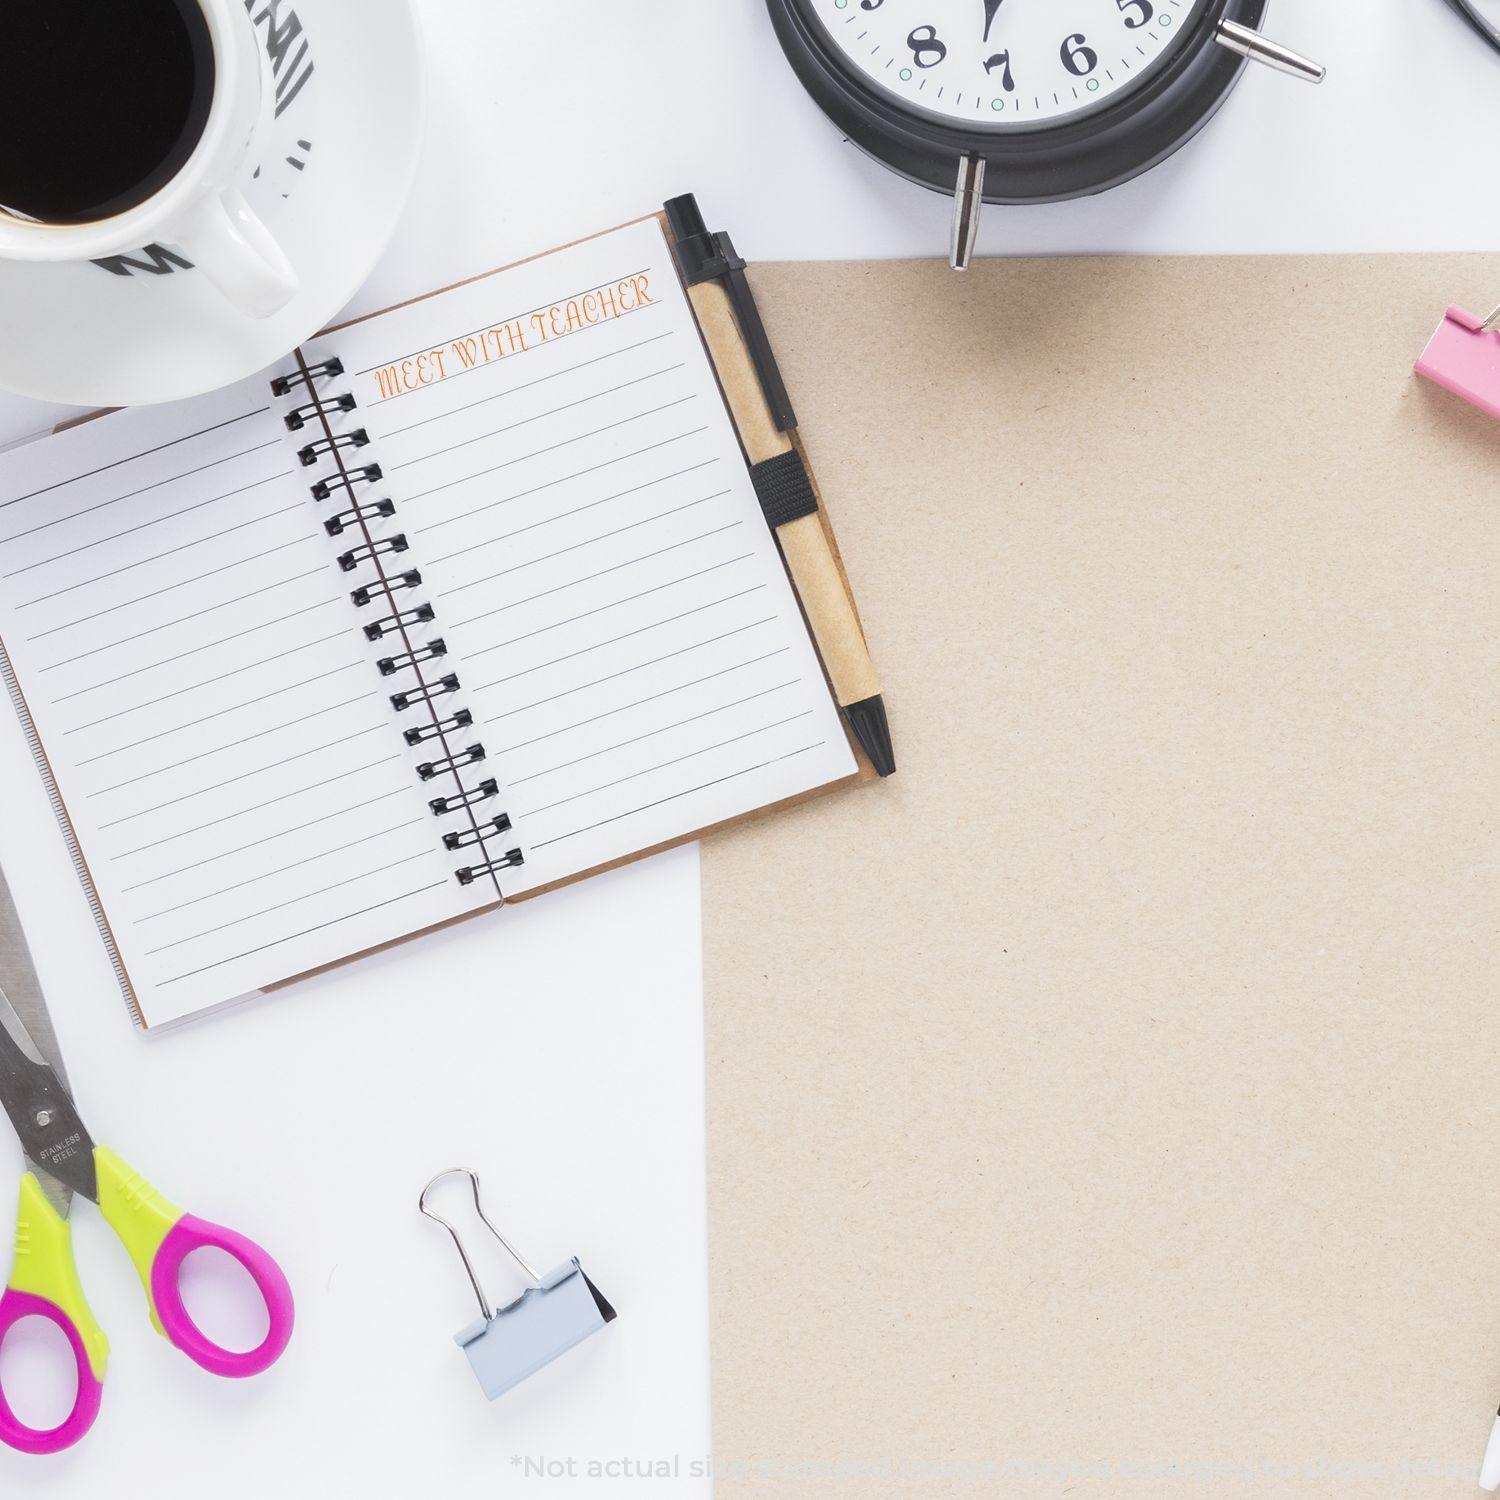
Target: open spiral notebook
{"x":470,"y":599}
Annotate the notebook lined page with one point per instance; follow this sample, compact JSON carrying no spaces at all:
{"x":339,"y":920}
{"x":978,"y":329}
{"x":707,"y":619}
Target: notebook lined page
{"x":225,"y":749}
{"x":573,"y":491}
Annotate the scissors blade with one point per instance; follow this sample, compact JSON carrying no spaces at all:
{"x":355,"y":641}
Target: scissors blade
{"x":33,"y":1084}
{"x":19,"y":982}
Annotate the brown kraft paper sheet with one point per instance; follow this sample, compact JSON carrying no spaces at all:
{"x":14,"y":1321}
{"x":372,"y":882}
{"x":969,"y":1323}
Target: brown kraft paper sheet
{"x":1106,"y":1105}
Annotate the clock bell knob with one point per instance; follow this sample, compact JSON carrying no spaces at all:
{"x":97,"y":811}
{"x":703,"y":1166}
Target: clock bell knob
{"x":968,"y":202}
{"x":1250,"y":43}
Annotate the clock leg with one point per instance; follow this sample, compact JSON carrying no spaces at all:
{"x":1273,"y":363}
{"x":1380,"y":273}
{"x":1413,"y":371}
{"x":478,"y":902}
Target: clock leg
{"x":968,"y":201}
{"x":1250,"y":43}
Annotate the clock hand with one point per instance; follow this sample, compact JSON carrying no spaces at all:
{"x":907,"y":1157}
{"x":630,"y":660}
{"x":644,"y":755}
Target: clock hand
{"x":991,"y":10}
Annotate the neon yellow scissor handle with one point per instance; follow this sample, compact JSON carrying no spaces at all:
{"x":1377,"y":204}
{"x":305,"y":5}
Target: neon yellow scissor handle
{"x":44,"y":1284}
{"x":158,"y":1237}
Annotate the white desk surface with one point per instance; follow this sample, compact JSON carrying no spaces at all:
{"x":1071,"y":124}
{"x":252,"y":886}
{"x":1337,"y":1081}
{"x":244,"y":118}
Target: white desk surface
{"x":558,"y":1047}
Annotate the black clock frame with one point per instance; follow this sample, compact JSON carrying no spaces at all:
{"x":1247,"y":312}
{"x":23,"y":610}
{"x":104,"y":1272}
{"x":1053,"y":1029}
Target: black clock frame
{"x":1066,"y":159}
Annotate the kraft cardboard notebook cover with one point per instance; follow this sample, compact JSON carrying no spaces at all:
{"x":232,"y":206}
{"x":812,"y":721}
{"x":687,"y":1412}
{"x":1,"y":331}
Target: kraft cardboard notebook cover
{"x":1107,"y":1106}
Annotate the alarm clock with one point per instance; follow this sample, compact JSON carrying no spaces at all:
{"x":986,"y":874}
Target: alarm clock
{"x":1023,"y":101}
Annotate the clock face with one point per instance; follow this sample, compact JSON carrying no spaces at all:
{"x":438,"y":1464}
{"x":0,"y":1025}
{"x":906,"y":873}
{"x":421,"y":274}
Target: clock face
{"x":1006,"y":64}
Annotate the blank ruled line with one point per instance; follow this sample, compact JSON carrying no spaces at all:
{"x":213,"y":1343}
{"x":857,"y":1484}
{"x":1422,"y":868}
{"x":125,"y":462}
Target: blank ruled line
{"x":557,"y":661}
{"x":239,"y":635}
{"x":274,"y":765}
{"x":625,"y":708}
{"x":561,"y":515}
{"x":639,"y":667}
{"x":618,"y":604}
{"x":201,"y":541}
{"x":220,"y":713}
{"x":270,"y":838}
{"x":534,"y":812}
{"x":583,"y":364}
{"x":551,"y":483}
{"x":292,"y":937}
{"x":130,"y":458}
{"x":245,"y":812}
{"x":591,"y":541}
{"x":145,"y":525}
{"x":677,"y":796}
{"x":182,"y":583}
{"x":708,"y":713}
{"x":369,"y":838}
{"x":197,"y":687}
{"x":501,"y":322}
{"x":197,"y":614}
{"x":232,"y":745}
{"x":495,"y":432}
{"x":266,"y":911}
{"x":537,"y":453}
{"x":574,"y":583}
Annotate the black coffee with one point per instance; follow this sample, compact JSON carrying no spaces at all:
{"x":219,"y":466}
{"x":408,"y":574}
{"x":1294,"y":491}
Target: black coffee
{"x":101,"y":103}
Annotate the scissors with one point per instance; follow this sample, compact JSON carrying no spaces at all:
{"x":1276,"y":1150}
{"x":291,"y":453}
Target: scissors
{"x":61,"y":1160}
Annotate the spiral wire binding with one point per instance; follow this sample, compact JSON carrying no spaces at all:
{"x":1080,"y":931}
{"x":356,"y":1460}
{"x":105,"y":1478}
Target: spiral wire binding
{"x":381,"y":510}
{"x":390,"y":665}
{"x":297,"y":420}
{"x":411,"y":579}
{"x":346,"y":479}
{"x":426,"y":692}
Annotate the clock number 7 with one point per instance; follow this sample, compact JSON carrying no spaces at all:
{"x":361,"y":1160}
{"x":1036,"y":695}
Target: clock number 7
{"x":1000,"y":59}
{"x":1007,"y":78}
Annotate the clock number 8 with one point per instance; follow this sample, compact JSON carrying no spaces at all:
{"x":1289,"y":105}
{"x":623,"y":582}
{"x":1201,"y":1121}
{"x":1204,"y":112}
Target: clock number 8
{"x":926,"y":50}
{"x":1078,"y":57}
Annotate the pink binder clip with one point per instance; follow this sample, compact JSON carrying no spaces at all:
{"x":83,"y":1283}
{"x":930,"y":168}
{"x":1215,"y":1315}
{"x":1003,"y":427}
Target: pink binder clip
{"x":1464,"y":357}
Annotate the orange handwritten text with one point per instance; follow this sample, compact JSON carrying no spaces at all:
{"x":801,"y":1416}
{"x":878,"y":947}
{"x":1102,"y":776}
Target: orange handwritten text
{"x":515,"y":336}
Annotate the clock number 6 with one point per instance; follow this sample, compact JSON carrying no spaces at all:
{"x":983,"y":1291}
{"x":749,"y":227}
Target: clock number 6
{"x":1078,"y":57}
{"x":926,"y":50}
{"x":1137,"y":13}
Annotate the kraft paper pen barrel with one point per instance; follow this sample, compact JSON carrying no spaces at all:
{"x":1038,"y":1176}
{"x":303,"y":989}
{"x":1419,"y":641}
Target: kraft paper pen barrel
{"x":747,"y":370}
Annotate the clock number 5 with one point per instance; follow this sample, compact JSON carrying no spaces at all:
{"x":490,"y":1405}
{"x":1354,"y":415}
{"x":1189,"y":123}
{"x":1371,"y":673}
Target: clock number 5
{"x":926,"y":50}
{"x":1078,"y":57}
{"x":1137,"y":13}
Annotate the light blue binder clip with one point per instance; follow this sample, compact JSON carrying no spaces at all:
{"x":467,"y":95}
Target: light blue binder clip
{"x":556,"y":1312}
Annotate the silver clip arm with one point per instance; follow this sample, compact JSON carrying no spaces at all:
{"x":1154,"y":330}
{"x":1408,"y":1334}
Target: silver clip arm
{"x":515,"y":1255}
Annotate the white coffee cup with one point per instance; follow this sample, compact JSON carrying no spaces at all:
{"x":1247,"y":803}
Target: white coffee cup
{"x":199,"y":210}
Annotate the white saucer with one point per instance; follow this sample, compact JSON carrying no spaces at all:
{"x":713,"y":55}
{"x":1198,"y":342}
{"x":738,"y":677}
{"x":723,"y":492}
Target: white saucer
{"x":352,"y":87}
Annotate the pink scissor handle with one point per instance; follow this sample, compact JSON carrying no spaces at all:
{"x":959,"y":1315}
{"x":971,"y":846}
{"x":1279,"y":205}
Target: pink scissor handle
{"x":190,"y":1234}
{"x":14,"y":1306}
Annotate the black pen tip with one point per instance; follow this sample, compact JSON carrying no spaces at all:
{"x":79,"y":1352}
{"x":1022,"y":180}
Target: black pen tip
{"x":873,"y":731}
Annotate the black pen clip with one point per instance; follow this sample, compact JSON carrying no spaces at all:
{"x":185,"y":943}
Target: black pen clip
{"x":711,"y":257}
